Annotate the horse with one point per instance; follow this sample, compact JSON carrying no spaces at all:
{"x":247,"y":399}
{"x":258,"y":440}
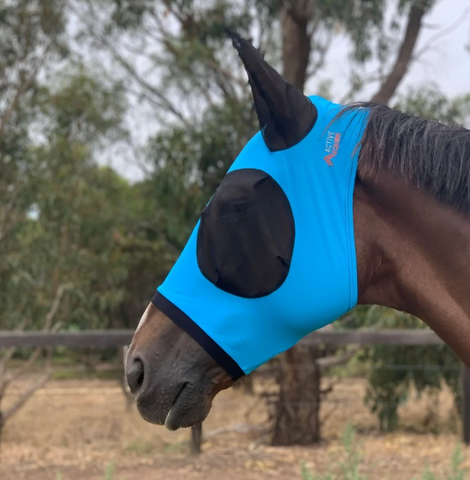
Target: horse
{"x":390,"y":194}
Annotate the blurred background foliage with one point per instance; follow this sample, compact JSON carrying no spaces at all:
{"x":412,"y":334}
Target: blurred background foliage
{"x":74,"y":77}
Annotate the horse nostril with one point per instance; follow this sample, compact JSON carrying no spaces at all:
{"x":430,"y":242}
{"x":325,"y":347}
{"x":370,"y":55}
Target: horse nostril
{"x":135,"y":375}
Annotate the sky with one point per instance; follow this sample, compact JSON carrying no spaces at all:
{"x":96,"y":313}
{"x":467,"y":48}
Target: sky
{"x":446,"y":63}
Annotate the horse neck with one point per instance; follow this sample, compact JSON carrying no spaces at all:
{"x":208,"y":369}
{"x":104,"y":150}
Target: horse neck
{"x":413,"y":254}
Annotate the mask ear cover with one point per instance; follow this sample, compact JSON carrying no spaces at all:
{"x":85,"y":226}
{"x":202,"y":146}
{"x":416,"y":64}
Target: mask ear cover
{"x":246,"y":235}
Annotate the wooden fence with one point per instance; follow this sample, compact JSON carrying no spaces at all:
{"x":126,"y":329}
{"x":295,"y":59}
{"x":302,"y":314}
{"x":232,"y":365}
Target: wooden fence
{"x":116,"y":338}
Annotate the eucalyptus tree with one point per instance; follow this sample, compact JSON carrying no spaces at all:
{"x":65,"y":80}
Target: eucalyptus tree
{"x":54,"y":245}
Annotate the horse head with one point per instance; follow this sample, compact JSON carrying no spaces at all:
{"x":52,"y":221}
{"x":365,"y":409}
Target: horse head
{"x":323,"y":209}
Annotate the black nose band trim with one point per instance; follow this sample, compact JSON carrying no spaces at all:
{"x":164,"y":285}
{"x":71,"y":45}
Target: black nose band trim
{"x":199,"y":335}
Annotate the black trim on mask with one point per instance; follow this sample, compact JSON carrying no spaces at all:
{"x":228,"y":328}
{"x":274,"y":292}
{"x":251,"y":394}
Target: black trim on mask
{"x":199,"y":335}
{"x":246,"y":235}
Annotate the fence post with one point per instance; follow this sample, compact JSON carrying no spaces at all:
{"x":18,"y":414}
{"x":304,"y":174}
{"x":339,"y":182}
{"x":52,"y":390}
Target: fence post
{"x":466,"y":404}
{"x":130,"y":402}
{"x":196,"y":439}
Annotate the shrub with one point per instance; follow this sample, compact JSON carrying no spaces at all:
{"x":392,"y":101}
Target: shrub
{"x":348,"y":467}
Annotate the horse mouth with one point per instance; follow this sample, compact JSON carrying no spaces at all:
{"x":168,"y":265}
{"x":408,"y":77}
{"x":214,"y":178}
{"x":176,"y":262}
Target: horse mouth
{"x":186,"y":410}
{"x":175,"y":417}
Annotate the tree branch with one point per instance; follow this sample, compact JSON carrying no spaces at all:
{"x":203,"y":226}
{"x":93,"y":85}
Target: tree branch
{"x":37,"y":351}
{"x":336,"y":360}
{"x":26,"y":395}
{"x":399,"y":69}
{"x":11,"y":351}
{"x":238,"y":428}
{"x":24,"y":85}
{"x":296,"y":45}
{"x":8,"y":217}
{"x":441,"y":34}
{"x":159,"y":97}
{"x":9,"y":110}
{"x":54,"y":307}
{"x":29,"y":391}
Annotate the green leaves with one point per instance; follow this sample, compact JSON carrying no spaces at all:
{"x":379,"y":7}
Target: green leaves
{"x":346,"y":465}
{"x":456,"y":471}
{"x":85,"y":108}
{"x":128,"y":14}
{"x":32,"y":31}
{"x":191,"y":162}
{"x":397,"y":371}
{"x":429,"y":102}
{"x":61,"y":216}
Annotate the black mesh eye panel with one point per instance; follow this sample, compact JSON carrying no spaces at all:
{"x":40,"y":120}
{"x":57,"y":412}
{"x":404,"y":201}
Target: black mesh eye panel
{"x":246,"y":235}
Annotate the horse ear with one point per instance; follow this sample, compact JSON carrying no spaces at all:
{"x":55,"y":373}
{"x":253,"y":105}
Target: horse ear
{"x":285,"y":114}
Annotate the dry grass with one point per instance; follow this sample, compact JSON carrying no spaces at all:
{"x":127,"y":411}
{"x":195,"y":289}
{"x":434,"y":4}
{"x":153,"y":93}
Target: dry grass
{"x":76,"y":427}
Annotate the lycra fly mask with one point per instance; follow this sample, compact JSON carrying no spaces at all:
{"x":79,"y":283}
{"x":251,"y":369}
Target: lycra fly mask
{"x":272,"y":257}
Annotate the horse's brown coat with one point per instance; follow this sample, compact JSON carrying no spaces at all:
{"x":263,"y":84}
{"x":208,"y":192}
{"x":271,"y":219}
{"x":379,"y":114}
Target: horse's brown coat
{"x":414,"y":255}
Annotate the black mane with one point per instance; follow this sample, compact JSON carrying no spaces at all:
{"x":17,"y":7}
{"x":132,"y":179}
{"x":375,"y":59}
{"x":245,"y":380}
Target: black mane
{"x":431,"y":155}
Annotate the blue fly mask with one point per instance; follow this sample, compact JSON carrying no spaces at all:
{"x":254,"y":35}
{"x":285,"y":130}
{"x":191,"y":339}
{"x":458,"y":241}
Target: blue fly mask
{"x":273,"y":256}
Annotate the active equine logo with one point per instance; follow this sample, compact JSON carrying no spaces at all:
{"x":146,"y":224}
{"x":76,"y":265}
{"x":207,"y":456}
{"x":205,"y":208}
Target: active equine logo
{"x":331,"y":147}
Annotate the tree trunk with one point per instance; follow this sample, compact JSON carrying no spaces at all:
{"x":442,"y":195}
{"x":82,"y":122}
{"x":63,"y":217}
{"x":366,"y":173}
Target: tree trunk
{"x":404,"y":57}
{"x":297,"y":412}
{"x":295,"y":46}
{"x":297,"y":419}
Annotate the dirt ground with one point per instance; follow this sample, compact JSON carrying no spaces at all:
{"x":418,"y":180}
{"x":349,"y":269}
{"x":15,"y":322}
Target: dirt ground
{"x":73,"y":429}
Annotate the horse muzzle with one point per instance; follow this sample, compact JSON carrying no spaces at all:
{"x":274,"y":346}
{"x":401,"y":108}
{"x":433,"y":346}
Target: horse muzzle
{"x":172,"y":378}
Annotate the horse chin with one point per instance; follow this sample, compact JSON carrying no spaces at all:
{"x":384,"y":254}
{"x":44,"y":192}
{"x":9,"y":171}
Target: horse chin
{"x":186,"y":414}
{"x":188,"y":408}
